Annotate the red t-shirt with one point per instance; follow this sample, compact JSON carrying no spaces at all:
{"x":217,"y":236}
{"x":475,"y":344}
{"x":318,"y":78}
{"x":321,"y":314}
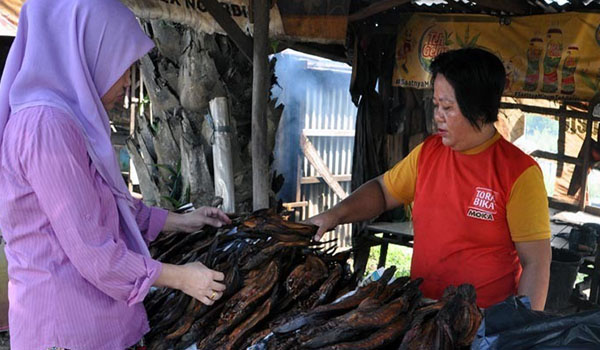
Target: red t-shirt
{"x":462,"y":234}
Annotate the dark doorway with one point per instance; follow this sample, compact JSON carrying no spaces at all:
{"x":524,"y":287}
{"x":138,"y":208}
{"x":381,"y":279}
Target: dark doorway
{"x":5,"y":42}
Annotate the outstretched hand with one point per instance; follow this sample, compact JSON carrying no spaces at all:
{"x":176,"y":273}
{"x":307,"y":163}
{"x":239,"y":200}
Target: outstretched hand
{"x":196,"y":220}
{"x":326,"y":222}
{"x":206,"y":216}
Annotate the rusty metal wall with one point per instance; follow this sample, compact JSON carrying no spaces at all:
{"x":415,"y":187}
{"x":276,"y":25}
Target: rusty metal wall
{"x":328,"y":110}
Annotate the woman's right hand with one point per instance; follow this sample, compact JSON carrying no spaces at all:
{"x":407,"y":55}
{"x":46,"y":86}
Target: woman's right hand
{"x":195,"y":280}
{"x":202,"y":283}
{"x":369,"y":200}
{"x":326,"y":221}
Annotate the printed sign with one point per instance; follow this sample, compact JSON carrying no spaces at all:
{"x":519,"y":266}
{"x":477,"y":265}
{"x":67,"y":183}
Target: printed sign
{"x":322,"y":22}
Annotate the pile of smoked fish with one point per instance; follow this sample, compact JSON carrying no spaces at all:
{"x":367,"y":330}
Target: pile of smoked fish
{"x":285,"y":291}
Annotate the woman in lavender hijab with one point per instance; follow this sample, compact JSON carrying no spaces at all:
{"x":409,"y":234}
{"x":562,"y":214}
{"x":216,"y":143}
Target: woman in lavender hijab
{"x":77,"y":252}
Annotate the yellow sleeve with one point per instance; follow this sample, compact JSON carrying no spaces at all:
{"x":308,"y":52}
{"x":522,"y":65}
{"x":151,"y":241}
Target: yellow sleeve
{"x":401,"y":180}
{"x":527,"y":208}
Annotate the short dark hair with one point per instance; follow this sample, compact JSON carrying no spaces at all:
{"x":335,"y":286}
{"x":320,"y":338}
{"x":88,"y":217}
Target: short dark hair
{"x":478,"y":77}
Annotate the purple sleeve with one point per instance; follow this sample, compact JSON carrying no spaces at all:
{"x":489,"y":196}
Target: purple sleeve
{"x":151,"y":220}
{"x":56,"y":164}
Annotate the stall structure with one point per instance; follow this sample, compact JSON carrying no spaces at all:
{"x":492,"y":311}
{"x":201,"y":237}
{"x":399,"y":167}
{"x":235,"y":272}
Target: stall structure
{"x":549,"y":48}
{"x":316,"y":136}
{"x":389,"y":44}
{"x":386,"y":42}
{"x":549,"y":51}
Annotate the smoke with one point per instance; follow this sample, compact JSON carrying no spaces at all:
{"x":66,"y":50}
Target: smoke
{"x":311,"y":90}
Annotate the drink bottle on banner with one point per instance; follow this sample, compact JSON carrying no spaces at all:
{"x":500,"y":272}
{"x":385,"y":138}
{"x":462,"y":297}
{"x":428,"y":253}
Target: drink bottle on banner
{"x":568,"y":70}
{"x":552,"y":58}
{"x":534,"y":54}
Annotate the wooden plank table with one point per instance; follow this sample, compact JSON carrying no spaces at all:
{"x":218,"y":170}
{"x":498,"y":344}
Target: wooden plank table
{"x":400,"y":233}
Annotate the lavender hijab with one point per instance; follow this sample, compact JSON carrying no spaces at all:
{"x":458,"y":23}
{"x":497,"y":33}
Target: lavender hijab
{"x":67,"y":54}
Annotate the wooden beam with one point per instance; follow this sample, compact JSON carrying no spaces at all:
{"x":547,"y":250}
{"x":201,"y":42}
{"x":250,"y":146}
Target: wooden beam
{"x":577,"y":105}
{"x":309,"y":180}
{"x":547,"y":7}
{"x":312,"y":155}
{"x":547,"y":111}
{"x":556,"y":204}
{"x":375,"y":8}
{"x":592,"y":210}
{"x":260,"y":94}
{"x":291,"y":205}
{"x":557,"y":157}
{"x":516,"y":7}
{"x":243,"y":42}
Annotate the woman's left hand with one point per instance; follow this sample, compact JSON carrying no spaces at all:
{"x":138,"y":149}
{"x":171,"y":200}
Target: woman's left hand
{"x":195,"y":220}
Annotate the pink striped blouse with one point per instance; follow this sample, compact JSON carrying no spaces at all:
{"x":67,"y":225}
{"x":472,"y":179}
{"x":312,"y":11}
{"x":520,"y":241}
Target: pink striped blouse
{"x":72,"y":281}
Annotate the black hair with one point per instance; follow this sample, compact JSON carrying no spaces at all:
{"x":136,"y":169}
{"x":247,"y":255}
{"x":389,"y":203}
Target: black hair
{"x":477,"y":77}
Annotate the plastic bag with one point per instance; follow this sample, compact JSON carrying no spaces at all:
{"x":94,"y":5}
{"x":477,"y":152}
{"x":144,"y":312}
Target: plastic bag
{"x":513,"y":325}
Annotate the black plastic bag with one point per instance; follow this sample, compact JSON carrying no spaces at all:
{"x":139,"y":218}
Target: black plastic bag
{"x":511,"y":325}
{"x":584,"y":239}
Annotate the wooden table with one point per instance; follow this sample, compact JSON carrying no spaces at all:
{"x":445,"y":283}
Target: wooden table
{"x":400,"y":233}
{"x":561,"y":224}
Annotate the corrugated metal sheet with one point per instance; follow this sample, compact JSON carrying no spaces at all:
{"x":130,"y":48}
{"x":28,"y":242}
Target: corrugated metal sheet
{"x":329,"y":109}
{"x":317,"y":105}
{"x":437,"y":2}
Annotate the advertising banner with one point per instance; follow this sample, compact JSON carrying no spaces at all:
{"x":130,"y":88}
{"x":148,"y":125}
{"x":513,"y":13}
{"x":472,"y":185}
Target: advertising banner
{"x":309,"y":21}
{"x":322,"y":22}
{"x":553,"y":56}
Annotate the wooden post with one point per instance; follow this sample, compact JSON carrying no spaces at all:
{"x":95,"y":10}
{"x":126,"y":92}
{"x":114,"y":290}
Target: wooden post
{"x":243,"y":42}
{"x":222,"y":159}
{"x":260,"y":93}
{"x":587,"y":143}
{"x":132,"y":115}
{"x":562,"y":130}
{"x":141,"y":98}
{"x":131,"y":99}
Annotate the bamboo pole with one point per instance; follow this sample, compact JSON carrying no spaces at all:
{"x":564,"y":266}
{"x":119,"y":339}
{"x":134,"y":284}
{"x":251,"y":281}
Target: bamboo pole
{"x":222,"y":159}
{"x":260,"y":79}
{"x":132,"y":113}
